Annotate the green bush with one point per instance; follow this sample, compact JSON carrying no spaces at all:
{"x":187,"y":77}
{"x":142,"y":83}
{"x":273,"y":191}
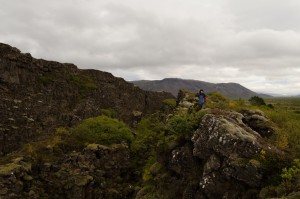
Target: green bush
{"x":291,"y":177}
{"x":290,"y":182}
{"x":217,"y":100}
{"x":257,"y":101}
{"x":102,"y":130}
{"x":148,"y":133}
{"x":146,"y":136}
{"x":184,"y":124}
{"x":170,"y":102}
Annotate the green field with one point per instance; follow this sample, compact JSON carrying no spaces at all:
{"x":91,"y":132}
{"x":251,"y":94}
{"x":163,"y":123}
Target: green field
{"x":285,"y":103}
{"x":286,"y":116}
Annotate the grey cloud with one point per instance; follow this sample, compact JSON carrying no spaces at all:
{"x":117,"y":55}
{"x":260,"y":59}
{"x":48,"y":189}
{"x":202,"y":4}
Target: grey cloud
{"x":216,"y":41}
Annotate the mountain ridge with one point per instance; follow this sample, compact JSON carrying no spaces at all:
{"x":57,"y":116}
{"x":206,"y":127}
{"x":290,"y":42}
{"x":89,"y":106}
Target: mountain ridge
{"x":173,"y":85}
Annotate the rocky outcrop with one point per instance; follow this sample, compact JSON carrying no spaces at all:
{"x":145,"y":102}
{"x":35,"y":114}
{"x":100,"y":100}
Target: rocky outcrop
{"x":95,"y":172}
{"x":257,"y":120}
{"x":228,"y":148}
{"x":225,"y":159}
{"x":37,"y":96}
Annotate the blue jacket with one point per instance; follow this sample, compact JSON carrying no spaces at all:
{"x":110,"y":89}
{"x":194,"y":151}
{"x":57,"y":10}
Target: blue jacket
{"x":202,"y":99}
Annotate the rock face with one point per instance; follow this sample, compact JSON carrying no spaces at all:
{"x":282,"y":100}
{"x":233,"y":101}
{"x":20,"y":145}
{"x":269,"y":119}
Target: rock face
{"x":227,"y":147}
{"x":37,"y":96}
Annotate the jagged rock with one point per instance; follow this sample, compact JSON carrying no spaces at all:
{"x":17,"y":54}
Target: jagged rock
{"x":257,"y":120}
{"x":212,"y":164}
{"x":97,"y":171}
{"x":228,"y":148}
{"x":37,"y":96}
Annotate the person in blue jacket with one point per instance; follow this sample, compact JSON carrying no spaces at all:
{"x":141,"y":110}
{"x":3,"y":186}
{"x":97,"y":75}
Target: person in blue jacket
{"x":202,"y":98}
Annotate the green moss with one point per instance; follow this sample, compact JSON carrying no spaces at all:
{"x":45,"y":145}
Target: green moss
{"x":82,"y":82}
{"x":109,"y":113}
{"x":46,"y":79}
{"x":256,"y":163}
{"x":83,"y":180}
{"x":237,"y":131}
{"x":155,"y":168}
{"x":170,"y":102}
{"x":137,"y":113}
{"x":61,"y":131}
{"x":295,"y":195}
{"x":95,"y":147}
{"x":10,"y":168}
{"x":27,"y":177}
{"x":147,"y":176}
{"x":150,"y":192}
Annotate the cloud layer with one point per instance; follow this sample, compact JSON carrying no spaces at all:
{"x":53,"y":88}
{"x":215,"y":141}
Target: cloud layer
{"x":255,"y":43}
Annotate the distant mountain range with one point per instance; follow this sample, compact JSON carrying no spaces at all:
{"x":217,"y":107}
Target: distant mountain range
{"x":173,"y":85}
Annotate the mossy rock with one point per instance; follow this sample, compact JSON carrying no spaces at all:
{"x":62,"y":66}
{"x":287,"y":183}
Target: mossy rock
{"x":155,"y":168}
{"x":113,"y":193}
{"x":27,"y":177}
{"x":95,"y":147}
{"x":8,"y":169}
{"x":255,"y":163}
{"x":237,"y":131}
{"x":242,"y":162}
{"x":142,"y":193}
{"x":294,"y":195}
{"x":83,"y":180}
{"x":137,"y":113}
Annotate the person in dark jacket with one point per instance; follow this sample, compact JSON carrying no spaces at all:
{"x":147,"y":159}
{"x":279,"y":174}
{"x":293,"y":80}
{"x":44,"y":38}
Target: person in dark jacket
{"x":202,"y":98}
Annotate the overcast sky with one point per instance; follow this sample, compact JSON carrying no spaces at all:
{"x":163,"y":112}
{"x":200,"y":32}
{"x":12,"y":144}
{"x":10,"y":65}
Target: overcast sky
{"x":255,"y":43}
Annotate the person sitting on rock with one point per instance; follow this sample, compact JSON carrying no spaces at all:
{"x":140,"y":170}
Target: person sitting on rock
{"x":202,"y":99}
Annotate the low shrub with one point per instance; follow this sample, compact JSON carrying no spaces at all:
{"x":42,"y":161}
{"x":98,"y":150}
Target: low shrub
{"x":217,"y":100}
{"x":291,"y":177}
{"x":102,"y":130}
{"x":170,"y":102}
{"x":184,"y":124}
{"x":257,"y":101}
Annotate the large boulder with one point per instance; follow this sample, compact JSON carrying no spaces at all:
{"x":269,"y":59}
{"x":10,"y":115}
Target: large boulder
{"x":229,"y":147}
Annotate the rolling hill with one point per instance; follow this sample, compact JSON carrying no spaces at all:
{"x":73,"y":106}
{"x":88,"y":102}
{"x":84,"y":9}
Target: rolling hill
{"x":173,"y":85}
